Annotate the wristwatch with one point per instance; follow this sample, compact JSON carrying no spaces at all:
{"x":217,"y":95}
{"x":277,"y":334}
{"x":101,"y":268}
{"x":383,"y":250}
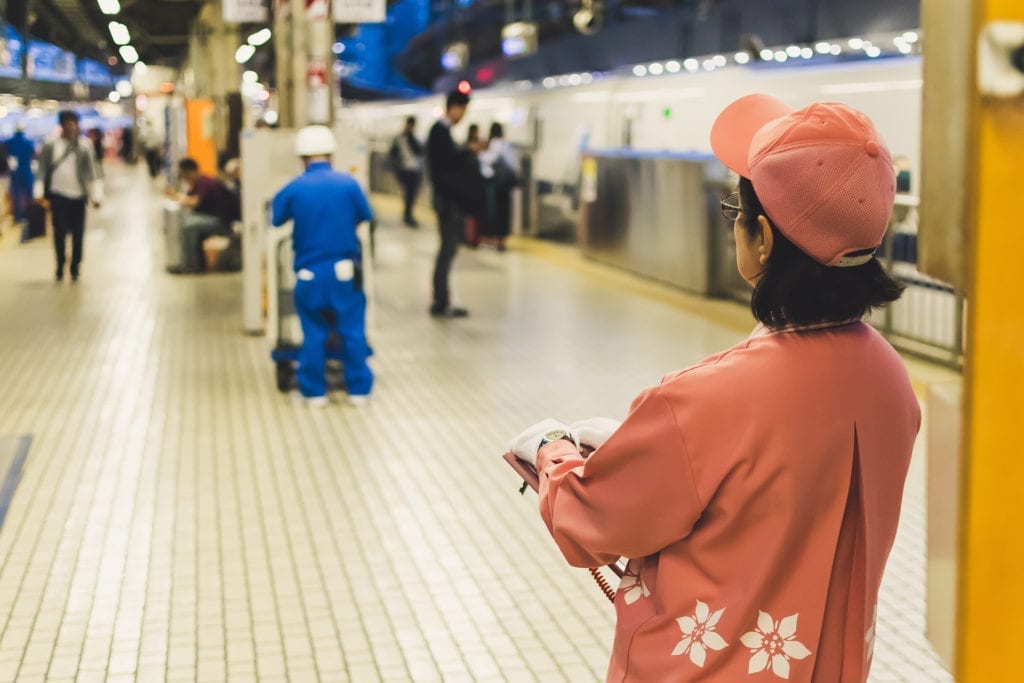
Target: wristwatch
{"x":555,"y":435}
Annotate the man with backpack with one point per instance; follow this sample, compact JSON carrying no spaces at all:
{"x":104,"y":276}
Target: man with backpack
{"x":406,"y":157}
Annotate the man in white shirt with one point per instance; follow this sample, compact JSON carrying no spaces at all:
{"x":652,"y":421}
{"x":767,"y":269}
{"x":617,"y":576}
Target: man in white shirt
{"x":70,"y":179}
{"x":406,"y":157}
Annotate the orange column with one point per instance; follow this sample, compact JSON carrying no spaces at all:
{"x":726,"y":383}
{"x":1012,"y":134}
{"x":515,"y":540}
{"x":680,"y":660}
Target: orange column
{"x":990,"y":638}
{"x":202,"y":144}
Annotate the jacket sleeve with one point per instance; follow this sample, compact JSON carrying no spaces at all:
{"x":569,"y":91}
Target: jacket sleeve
{"x":363,"y":212}
{"x":45,"y":159}
{"x":633,"y":497}
{"x":281,"y":207}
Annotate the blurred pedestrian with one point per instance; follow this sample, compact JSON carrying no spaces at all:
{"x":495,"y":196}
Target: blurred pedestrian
{"x":71,"y":180}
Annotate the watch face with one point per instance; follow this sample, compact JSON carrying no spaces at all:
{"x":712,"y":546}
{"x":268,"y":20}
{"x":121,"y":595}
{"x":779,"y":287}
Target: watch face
{"x":556,"y":434}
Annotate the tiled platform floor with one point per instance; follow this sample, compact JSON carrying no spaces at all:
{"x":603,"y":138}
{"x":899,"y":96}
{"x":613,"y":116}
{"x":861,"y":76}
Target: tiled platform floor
{"x":180,"y":520}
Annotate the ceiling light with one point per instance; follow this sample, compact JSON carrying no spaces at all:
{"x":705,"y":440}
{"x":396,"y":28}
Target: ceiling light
{"x":781,"y":56}
{"x":709,"y":65}
{"x":719,"y":60}
{"x":691,"y":64}
{"x":129,"y":54}
{"x":910,"y":36}
{"x":673,"y":67}
{"x":906,"y":48}
{"x":250,"y":77}
{"x":587,"y":78}
{"x":742,"y":57}
{"x":119,"y":32}
{"x":124,"y":88}
{"x":563,"y":81}
{"x":109,"y":6}
{"x":270,"y":117}
{"x":244,"y":53}
{"x":639,"y":70}
{"x":338,"y":48}
{"x":855,"y":43}
{"x":767,"y":54}
{"x":793,"y":50}
{"x":872,"y":51}
{"x":836,"y":49}
{"x":575,"y":79}
{"x":823,"y":47}
{"x":260,"y":37}
{"x":141,"y":68}
{"x":550,"y":82}
{"x":807,"y":53}
{"x":656,"y":69}
{"x":114,"y":96}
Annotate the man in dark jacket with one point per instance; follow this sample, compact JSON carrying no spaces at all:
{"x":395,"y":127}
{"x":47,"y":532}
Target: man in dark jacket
{"x":447,"y":174}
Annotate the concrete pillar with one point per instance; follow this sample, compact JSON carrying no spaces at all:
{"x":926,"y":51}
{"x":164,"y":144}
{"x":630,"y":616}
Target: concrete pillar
{"x":212,"y":58}
{"x":303,"y":37}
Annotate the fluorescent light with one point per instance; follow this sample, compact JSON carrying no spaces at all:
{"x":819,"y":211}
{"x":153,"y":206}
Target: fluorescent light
{"x":708,"y":64}
{"x":260,"y":37}
{"x":872,"y":51}
{"x":656,"y":69}
{"x":119,"y":32}
{"x":906,"y":48}
{"x":338,"y":48}
{"x":910,"y":36}
{"x":244,"y":53}
{"x":855,"y":43}
{"x":673,"y":67}
{"x":807,"y":53}
{"x":719,"y":60}
{"x":742,"y":57}
{"x":639,"y":70}
{"x":124,"y":88}
{"x":114,"y":96}
{"x":793,"y":51}
{"x":128,"y":54}
{"x":550,"y":82}
{"x":250,"y":77}
{"x":836,"y":49}
{"x":781,"y":56}
{"x":270,"y":117}
{"x":587,"y":78}
{"x":767,"y":54}
{"x":575,"y":79}
{"x":823,"y":47}
{"x":691,"y":64}
{"x":141,"y":68}
{"x":109,"y":6}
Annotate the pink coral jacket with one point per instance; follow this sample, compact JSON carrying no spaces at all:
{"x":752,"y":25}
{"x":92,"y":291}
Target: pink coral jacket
{"x":757,"y":494}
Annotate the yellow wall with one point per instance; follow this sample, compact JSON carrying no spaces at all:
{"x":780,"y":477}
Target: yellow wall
{"x":990,"y":640}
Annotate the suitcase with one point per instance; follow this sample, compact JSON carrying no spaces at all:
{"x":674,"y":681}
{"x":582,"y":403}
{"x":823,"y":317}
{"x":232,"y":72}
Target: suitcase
{"x":35,"y":222}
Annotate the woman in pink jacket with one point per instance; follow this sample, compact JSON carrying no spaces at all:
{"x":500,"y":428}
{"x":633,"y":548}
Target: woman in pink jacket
{"x":757,"y":493}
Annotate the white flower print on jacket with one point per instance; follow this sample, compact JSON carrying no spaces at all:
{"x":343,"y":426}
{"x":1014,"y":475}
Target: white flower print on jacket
{"x":633,"y":586}
{"x":699,"y":634}
{"x":773,"y":642}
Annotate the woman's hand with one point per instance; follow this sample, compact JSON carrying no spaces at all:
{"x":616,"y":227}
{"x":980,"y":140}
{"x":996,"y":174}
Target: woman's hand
{"x":526,"y":445}
{"x":593,"y":432}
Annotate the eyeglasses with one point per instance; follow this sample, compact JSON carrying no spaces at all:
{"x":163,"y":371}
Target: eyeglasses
{"x":731,"y":206}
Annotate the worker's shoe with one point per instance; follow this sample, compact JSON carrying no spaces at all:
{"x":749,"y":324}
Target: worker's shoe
{"x":449,"y":312}
{"x":317,"y":402}
{"x":358,"y":400}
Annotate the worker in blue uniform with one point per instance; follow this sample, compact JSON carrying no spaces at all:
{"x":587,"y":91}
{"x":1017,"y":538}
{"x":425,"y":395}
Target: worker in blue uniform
{"x":21,"y":151}
{"x":325,"y":207}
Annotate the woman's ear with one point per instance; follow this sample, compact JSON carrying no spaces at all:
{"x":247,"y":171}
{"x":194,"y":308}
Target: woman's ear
{"x":764,"y":251}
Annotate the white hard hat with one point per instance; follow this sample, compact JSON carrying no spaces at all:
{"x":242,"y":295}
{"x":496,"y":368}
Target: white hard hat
{"x":314,"y":141}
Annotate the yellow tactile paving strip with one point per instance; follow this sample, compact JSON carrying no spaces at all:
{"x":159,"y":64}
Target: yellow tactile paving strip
{"x":180,"y":520}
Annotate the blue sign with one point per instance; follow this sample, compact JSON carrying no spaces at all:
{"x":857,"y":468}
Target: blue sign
{"x":48,"y":62}
{"x":11,"y":48}
{"x":94,"y":73}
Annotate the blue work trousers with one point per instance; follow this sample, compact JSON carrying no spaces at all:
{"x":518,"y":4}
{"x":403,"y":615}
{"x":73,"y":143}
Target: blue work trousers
{"x":21,"y":194}
{"x":314,"y":300}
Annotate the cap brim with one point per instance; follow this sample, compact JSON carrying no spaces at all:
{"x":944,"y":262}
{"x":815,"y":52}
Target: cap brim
{"x":735,"y":127}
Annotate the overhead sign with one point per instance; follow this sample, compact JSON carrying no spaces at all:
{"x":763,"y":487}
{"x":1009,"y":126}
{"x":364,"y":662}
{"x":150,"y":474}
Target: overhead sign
{"x":360,"y":11}
{"x":94,"y":73}
{"x":11,"y":48}
{"x":48,"y":62}
{"x":246,"y":11}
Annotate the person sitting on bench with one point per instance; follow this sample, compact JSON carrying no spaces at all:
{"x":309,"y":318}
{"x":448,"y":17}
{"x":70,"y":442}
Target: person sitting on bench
{"x":212,"y":213}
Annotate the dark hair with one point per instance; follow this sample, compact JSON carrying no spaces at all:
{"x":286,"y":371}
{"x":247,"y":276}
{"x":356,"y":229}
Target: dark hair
{"x":497,"y":131}
{"x":797,"y":290}
{"x":66,"y":116}
{"x":410,"y":120}
{"x":457,"y":99}
{"x":188,"y":165}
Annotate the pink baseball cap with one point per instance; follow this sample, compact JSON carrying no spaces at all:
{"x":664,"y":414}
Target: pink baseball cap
{"x":823,"y":174}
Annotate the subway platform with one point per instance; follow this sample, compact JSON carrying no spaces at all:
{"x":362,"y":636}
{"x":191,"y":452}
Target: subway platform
{"x":179,"y":519}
